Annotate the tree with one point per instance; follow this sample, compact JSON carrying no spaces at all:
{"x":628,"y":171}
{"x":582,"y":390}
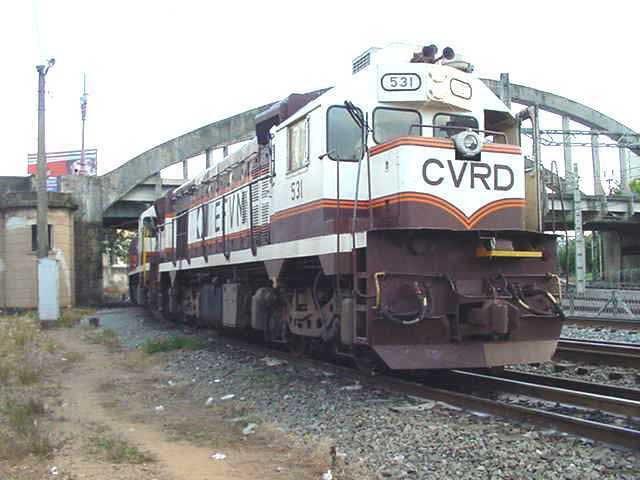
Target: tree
{"x":117,"y":244}
{"x":570,"y":249}
{"x":634,"y":186}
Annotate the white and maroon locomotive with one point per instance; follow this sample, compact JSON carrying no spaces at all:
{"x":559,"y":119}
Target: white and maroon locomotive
{"x":385,"y":219}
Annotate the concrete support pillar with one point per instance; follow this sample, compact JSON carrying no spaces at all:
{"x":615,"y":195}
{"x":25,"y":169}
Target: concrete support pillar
{"x":612,"y":256}
{"x":566,"y":145}
{"x":88,"y":262}
{"x":624,"y":169}
{"x":207,"y":158}
{"x":158,"y":185}
{"x":185,"y":169}
{"x":504,"y":89}
{"x":577,"y":220}
{"x":595,"y":159}
{"x":630,"y":245}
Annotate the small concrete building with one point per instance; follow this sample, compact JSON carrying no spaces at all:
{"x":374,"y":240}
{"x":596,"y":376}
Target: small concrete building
{"x":18,"y":242}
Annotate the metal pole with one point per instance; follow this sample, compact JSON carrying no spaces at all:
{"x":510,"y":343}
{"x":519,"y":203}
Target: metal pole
{"x":534,"y":111}
{"x":83,"y":110}
{"x":577,"y":220}
{"x":566,"y":144}
{"x":43,"y":207}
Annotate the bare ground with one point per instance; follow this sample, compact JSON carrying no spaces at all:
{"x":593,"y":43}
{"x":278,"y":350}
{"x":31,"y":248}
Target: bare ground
{"x":102,"y":416}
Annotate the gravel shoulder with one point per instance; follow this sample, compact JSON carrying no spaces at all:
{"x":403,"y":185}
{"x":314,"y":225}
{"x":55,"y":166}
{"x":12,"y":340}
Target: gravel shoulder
{"x":601,"y":333}
{"x":376,"y":434}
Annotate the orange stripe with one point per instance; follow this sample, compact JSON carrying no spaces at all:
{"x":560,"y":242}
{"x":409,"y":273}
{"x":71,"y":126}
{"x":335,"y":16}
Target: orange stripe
{"x":423,"y":198}
{"x":325,"y":203}
{"x":436,"y":142}
{"x":502,"y":148}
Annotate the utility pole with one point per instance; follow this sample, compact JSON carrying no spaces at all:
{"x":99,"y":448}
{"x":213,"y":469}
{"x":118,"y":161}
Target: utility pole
{"x":577,"y":226}
{"x":48,"y":301}
{"x":534,"y":114}
{"x":83,"y":110}
{"x":43,"y":207}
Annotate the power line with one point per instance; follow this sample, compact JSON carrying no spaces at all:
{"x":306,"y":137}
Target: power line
{"x":548,"y":138}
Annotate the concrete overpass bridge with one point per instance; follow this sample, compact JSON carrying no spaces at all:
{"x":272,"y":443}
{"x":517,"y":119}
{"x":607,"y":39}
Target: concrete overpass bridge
{"x":120,"y":195}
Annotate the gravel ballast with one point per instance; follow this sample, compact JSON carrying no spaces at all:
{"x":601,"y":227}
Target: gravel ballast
{"x":395,"y":436}
{"x":601,"y":333}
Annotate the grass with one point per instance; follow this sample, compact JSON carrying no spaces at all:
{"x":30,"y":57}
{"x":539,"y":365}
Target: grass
{"x":137,"y":360}
{"x":21,"y":415}
{"x":116,"y":449}
{"x":104,"y":336}
{"x":70,"y":317}
{"x":27,"y":374}
{"x":24,"y":435}
{"x":20,"y":345}
{"x":73,"y":357}
{"x":173,"y":343}
{"x":23,"y":351}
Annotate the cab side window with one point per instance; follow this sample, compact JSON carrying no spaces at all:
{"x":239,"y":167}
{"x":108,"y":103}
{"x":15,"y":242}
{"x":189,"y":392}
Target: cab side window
{"x":298,"y":151}
{"x":344,"y":136}
{"x":390,"y":123}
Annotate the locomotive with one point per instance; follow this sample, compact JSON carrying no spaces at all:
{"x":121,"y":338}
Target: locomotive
{"x":389,"y":220}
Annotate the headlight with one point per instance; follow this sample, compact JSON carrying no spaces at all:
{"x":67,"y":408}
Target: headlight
{"x":468,"y":143}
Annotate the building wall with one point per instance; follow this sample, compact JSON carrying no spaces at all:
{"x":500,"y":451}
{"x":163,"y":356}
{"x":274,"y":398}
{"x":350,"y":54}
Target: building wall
{"x":18,"y":279}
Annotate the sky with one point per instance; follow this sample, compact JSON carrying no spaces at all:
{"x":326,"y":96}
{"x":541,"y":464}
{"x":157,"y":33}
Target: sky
{"x":157,"y":69}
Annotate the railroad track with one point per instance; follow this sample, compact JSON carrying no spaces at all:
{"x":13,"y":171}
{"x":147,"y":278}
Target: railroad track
{"x":599,"y":353}
{"x":482,"y":392}
{"x":615,"y":323}
{"x":477,"y":392}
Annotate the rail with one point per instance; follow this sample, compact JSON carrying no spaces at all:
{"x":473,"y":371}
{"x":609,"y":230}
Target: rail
{"x":596,"y":352}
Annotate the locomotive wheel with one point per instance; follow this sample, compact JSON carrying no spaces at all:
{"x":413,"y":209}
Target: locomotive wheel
{"x":298,"y":345}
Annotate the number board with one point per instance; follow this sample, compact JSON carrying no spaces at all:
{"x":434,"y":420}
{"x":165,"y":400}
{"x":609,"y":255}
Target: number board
{"x":401,"y":83}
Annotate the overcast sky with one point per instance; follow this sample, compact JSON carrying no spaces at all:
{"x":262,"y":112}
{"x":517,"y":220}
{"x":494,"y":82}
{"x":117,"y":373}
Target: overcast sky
{"x":157,"y":69}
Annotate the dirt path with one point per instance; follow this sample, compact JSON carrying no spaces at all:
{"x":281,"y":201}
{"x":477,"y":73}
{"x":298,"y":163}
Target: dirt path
{"x":88,"y":392}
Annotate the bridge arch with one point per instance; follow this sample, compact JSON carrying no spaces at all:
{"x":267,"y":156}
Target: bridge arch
{"x":117,"y":183}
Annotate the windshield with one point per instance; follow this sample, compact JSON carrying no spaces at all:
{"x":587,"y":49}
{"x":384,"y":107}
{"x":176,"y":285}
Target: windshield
{"x":447,"y":125}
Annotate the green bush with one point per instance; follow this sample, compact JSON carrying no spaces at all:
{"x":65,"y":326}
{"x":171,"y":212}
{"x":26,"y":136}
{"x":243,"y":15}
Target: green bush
{"x":173,"y":343}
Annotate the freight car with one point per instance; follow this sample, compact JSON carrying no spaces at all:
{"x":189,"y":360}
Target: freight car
{"x":387,"y":219}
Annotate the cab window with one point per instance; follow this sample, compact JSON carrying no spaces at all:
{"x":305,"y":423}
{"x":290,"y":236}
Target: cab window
{"x":344,"y":136}
{"x":298,"y":134}
{"x":446,"y":125}
{"x":390,"y":123}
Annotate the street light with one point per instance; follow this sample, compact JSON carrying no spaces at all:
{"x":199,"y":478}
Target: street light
{"x":43,"y":236}
{"x":48,"y":308}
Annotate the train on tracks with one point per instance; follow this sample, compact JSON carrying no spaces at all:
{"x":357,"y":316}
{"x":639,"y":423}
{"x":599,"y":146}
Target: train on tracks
{"x":389,"y":219}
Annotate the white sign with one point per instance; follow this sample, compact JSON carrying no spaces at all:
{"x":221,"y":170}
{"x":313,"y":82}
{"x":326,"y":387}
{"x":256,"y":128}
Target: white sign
{"x":402,"y":83}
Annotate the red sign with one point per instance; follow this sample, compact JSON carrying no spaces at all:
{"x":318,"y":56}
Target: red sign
{"x":66,"y":163}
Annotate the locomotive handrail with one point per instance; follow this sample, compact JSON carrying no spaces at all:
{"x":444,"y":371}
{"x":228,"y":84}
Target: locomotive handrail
{"x":461,"y":129}
{"x":252,"y":239}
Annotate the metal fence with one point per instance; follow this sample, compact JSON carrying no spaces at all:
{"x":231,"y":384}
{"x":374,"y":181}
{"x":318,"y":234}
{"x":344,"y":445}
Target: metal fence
{"x":621,"y":303}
